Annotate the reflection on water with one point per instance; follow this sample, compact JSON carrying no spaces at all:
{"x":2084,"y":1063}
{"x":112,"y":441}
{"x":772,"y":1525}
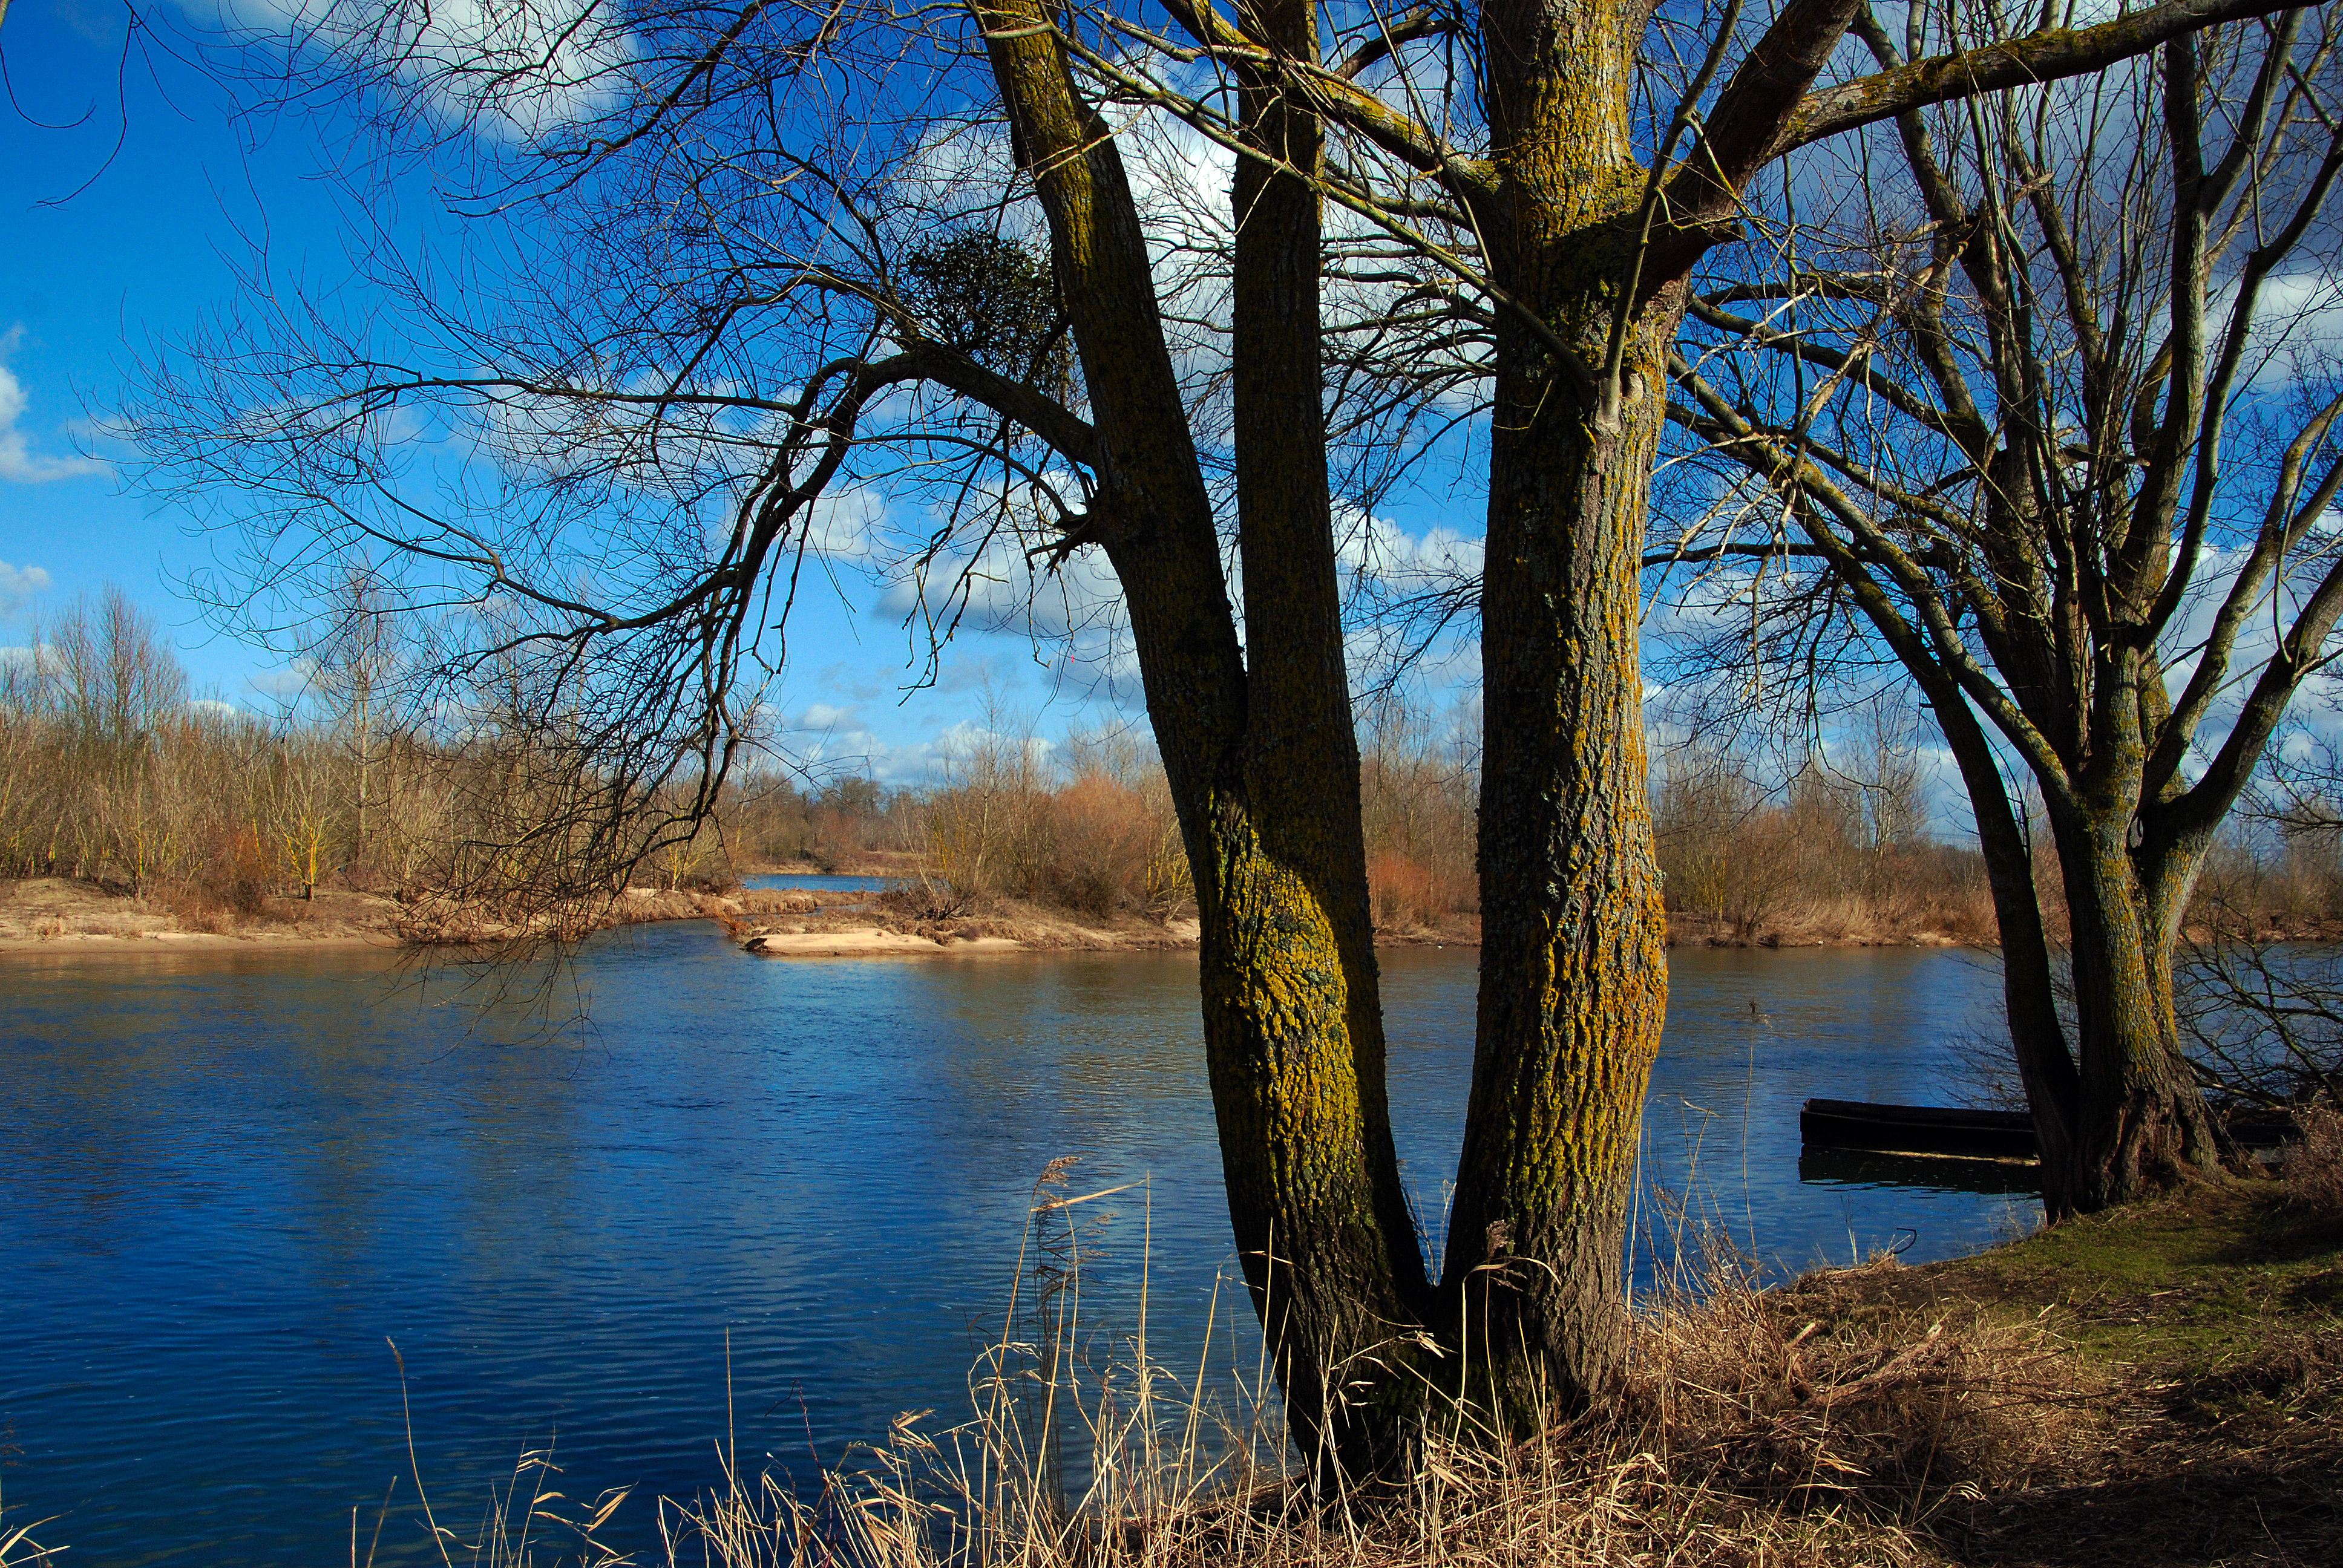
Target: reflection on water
{"x":815,"y":881}
{"x":1940,"y":1172}
{"x":227,"y":1179}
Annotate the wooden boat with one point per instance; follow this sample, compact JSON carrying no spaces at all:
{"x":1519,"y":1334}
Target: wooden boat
{"x":1917,"y":1129}
{"x":1938,"y":1130}
{"x":1932,"y":1172}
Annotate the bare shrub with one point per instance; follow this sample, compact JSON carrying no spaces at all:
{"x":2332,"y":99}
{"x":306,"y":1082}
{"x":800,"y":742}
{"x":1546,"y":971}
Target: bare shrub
{"x":1419,"y":795}
{"x":1404,"y":893}
{"x":1102,"y":835}
{"x":1834,"y":854}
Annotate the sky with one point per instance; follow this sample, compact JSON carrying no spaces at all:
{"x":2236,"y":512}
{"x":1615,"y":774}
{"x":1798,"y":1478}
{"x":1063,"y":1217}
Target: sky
{"x":85,"y":278}
{"x":128,"y":196}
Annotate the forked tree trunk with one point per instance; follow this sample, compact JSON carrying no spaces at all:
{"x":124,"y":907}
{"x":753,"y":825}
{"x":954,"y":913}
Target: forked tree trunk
{"x":1262,"y":768}
{"x":1262,"y":760}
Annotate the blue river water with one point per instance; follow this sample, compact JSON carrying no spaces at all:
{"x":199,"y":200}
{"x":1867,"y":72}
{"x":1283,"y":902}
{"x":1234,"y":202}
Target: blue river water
{"x":231,"y":1182}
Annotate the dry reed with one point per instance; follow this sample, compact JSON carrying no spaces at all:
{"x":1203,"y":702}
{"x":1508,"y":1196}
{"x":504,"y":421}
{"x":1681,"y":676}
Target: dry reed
{"x":1760,"y":1427}
{"x":2313,"y":1176}
{"x":18,"y":1549}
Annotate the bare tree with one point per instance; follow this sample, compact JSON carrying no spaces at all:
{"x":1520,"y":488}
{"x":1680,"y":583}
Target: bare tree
{"x":2028,"y":421}
{"x":358,"y":674}
{"x":769,"y":259}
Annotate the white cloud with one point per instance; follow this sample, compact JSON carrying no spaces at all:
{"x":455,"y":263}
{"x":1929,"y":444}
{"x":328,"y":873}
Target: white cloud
{"x":292,"y":681}
{"x":510,"y":69}
{"x":18,"y":461}
{"x":19,"y":584}
{"x":822,"y":716}
{"x":848,"y":526}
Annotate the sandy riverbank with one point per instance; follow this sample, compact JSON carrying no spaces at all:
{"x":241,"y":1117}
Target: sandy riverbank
{"x":56,"y":913}
{"x":872,"y":930}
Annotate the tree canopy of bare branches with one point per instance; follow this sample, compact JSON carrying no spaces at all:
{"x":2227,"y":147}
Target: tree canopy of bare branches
{"x":2036,"y":413}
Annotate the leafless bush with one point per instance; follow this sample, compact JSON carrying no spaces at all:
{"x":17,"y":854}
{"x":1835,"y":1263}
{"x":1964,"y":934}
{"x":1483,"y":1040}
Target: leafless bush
{"x":1100,"y":838}
{"x":1418,"y":791}
{"x":108,"y":774}
{"x":1835,"y":853}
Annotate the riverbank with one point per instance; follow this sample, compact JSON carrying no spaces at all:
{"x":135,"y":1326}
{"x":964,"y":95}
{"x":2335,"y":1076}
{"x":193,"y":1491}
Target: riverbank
{"x":56,"y":912}
{"x":896,"y":924}
{"x":63,"y":913}
{"x":2159,"y":1385}
{"x":2152,"y":1388}
{"x":2197,"y":1372}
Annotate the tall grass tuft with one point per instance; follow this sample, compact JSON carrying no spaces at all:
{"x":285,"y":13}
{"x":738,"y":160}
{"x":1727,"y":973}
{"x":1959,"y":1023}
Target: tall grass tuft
{"x":2313,"y":1176}
{"x":18,"y":1549}
{"x":1773,"y":1427}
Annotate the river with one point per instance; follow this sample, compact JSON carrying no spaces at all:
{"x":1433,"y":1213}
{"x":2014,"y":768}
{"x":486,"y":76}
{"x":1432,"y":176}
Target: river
{"x":230,"y":1181}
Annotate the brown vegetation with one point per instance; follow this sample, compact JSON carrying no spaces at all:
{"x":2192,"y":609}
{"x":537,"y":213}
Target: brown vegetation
{"x":2159,"y":1387}
{"x":1838,"y":858}
{"x":2313,"y":1176}
{"x":128,"y":811}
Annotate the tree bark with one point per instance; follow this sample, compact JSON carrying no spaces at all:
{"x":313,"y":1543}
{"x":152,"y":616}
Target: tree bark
{"x":2140,"y":1122}
{"x":1262,"y":763}
{"x":1574,"y":973}
{"x":1303,"y":1037}
{"x":2046,"y":1066}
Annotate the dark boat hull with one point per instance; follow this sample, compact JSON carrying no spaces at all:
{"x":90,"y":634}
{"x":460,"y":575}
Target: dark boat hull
{"x":1917,"y":1129}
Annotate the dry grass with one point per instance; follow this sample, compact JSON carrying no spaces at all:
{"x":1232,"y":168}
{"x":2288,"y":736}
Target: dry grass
{"x":1805,"y":1395}
{"x":1750,"y":1437}
{"x":1797,"y":1426}
{"x":18,"y":1549}
{"x":63,"y":910}
{"x":2313,"y":1176}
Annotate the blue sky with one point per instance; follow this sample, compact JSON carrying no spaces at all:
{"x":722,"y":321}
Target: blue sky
{"x":84,"y":276}
{"x":110,"y":251}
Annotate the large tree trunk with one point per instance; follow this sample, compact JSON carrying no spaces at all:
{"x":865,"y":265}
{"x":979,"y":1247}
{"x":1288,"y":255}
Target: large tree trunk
{"x":1293,"y":1012}
{"x":1574,"y":971}
{"x":2140,"y":1123}
{"x":1262,"y":768}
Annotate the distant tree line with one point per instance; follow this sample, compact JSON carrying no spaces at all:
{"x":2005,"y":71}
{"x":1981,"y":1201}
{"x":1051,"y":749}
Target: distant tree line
{"x":110,"y":774}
